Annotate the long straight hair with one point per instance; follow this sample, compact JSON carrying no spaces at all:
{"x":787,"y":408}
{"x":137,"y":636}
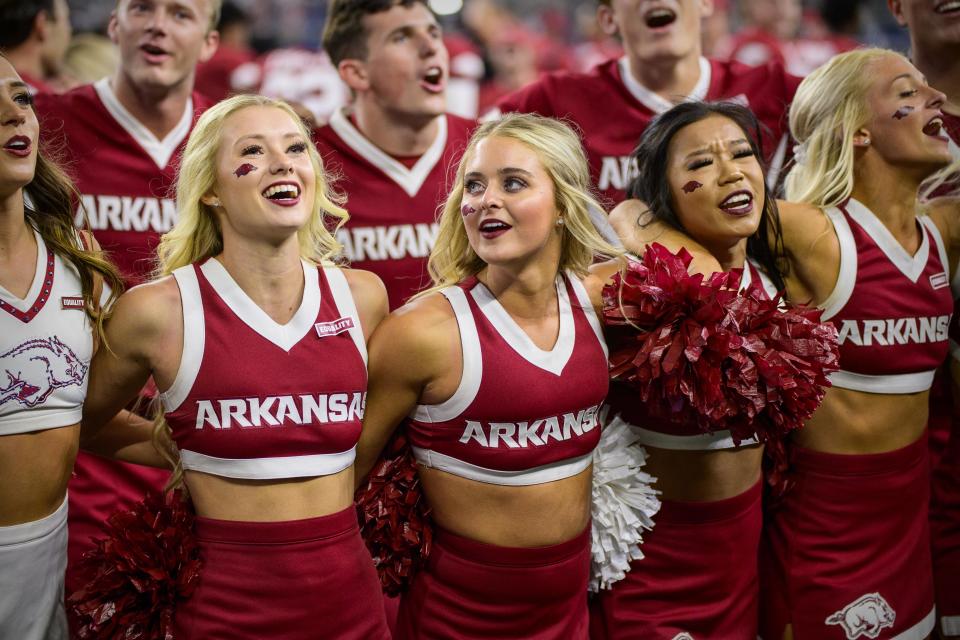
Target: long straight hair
{"x":652,"y":187}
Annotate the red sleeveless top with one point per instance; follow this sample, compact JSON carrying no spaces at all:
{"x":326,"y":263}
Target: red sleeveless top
{"x":891,"y":310}
{"x":255,"y":399}
{"x":521,"y":415}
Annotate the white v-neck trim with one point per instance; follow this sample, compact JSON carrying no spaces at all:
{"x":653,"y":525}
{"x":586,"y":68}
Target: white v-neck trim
{"x":910,"y":266}
{"x":40,"y":271}
{"x":656,"y":103}
{"x":284,"y":336}
{"x":553,"y":360}
{"x":160,"y":151}
{"x":410,"y":180}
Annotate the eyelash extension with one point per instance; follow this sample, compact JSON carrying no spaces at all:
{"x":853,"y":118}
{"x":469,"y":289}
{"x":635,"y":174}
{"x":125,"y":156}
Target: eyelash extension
{"x":299,"y":147}
{"x":252,"y":148}
{"x":743,"y":153}
{"x":699,"y":164}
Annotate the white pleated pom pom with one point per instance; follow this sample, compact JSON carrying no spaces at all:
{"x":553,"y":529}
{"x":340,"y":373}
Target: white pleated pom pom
{"x":624,"y":503}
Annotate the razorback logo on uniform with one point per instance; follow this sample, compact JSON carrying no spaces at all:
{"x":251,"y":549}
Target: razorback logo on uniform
{"x":893,"y":331}
{"x":128,"y":213}
{"x":865,"y":617}
{"x":531,"y":433}
{"x":275,"y":411}
{"x":31,"y":371}
{"x":388,"y":242}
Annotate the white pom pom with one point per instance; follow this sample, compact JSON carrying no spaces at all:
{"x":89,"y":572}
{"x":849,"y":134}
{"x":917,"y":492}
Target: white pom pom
{"x":624,"y":503}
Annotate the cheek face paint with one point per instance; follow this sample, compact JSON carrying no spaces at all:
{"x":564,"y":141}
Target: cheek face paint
{"x":902,"y":113}
{"x":244,"y":169}
{"x":691,"y":186}
{"x":466,"y":210}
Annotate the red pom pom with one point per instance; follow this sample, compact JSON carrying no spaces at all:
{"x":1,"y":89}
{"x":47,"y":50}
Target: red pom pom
{"x":134,"y":578}
{"x":698,"y":351}
{"x":394,"y":517}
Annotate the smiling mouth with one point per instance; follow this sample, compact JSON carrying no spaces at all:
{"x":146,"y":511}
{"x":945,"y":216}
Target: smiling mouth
{"x":281,"y":192}
{"x":659,"y":18}
{"x":738,"y":203}
{"x":951,"y":7}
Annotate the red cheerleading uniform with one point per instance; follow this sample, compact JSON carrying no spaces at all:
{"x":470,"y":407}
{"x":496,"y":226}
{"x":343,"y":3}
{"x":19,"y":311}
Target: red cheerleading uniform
{"x":847,"y":554}
{"x":683,"y":587}
{"x":610,"y":134}
{"x":487,"y":432}
{"x":393,"y":206}
{"x":125,"y":177}
{"x":250,"y":401}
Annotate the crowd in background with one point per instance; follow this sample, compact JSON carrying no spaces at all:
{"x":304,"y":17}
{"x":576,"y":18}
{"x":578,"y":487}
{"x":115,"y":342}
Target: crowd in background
{"x":496,"y":46}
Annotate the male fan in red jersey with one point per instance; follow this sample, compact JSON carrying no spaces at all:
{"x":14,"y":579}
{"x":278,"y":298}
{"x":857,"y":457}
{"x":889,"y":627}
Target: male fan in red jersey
{"x":393,"y":148}
{"x":662,"y":65}
{"x":121,"y":137}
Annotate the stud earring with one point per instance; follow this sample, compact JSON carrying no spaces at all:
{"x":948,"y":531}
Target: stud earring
{"x":559,"y":222}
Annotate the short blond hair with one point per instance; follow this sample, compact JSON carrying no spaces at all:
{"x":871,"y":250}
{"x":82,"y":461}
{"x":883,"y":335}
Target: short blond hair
{"x":829,"y":107}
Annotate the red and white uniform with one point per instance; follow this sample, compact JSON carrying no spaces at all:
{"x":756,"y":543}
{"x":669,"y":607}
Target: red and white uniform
{"x":682,"y":588}
{"x":392,"y":203}
{"x":611,"y":134}
{"x":45,"y":351}
{"x":892,"y":310}
{"x":847,"y":554}
{"x":487,"y":432}
{"x":125,"y":177}
{"x":124,"y":174}
{"x":250,"y":401}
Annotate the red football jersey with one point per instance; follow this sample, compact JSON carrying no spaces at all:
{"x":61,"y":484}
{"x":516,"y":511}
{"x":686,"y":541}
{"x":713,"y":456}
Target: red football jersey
{"x":489,"y":432}
{"x":124,"y":174}
{"x":611,"y":133}
{"x":892,"y":310}
{"x":393,"y":208}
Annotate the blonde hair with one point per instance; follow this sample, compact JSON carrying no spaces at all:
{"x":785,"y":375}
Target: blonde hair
{"x":561,"y":153}
{"x":829,"y":107}
{"x":197,"y":236}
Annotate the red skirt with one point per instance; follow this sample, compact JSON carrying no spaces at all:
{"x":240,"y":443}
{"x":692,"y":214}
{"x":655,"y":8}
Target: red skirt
{"x":698,"y":575}
{"x":945,"y":534}
{"x":307,"y":579}
{"x":847,"y":554}
{"x":474,"y":590}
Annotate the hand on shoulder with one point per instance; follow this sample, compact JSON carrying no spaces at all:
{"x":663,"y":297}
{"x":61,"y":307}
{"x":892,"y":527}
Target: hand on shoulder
{"x":637,"y":228}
